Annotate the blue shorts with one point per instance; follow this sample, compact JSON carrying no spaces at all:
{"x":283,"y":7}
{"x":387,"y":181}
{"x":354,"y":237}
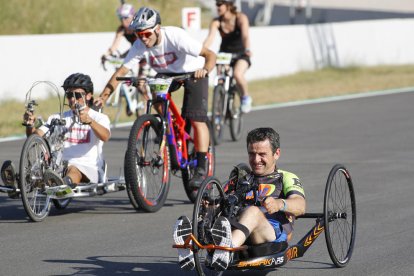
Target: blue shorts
{"x":279,"y":232}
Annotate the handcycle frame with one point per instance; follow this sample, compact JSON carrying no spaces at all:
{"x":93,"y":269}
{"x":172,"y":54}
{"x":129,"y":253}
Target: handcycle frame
{"x":337,"y":209}
{"x":41,"y":168}
{"x":176,"y":145}
{"x":224,"y":92}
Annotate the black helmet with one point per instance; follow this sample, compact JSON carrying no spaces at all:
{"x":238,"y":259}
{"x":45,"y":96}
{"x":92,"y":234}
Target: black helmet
{"x":145,"y":18}
{"x":78,"y":80}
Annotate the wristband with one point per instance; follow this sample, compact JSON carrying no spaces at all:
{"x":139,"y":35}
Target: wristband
{"x":284,"y":206}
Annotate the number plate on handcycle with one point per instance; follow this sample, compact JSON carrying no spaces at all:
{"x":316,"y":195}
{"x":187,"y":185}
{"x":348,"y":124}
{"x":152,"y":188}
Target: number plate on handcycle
{"x":159,"y":86}
{"x":223,"y":58}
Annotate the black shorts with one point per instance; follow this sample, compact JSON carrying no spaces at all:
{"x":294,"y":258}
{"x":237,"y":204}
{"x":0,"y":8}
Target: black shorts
{"x":244,"y":57}
{"x":195,"y":102}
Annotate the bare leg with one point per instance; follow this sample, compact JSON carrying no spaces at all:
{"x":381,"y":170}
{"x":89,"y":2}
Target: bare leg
{"x":260,"y":229}
{"x":76,"y":175}
{"x":240,"y":69}
{"x":201,"y":136}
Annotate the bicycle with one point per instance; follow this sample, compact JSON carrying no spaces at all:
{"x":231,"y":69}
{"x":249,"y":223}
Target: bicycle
{"x":216,"y":199}
{"x":134,"y":103}
{"x":226,"y":105}
{"x":158,"y":143}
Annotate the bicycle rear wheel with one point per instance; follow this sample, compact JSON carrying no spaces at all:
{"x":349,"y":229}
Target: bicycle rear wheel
{"x":206,"y":209}
{"x":147,"y":172}
{"x":34,"y":159}
{"x":218,"y":113}
{"x":235,"y":114}
{"x":188,"y":172}
{"x":340,"y":215}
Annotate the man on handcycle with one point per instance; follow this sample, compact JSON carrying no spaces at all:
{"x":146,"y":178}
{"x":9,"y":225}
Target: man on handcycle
{"x":280,"y":195}
{"x":172,"y":51}
{"x":87,"y":131}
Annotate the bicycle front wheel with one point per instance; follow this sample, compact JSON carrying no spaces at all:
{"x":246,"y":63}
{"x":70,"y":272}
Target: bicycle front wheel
{"x":146,"y":165}
{"x":235,"y":114}
{"x":218,"y":113}
{"x":340,"y":215}
{"x":34,"y":159}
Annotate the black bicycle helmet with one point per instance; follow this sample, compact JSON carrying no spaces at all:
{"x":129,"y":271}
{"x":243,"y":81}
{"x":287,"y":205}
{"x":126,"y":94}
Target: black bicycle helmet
{"x":145,"y":18}
{"x":78,"y":80}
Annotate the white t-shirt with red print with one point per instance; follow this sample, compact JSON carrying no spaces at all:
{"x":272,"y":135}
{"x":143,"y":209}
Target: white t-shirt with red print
{"x":177,"y":52}
{"x":82,"y":148}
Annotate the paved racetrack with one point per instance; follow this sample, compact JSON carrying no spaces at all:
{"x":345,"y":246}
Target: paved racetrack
{"x":372,"y":136}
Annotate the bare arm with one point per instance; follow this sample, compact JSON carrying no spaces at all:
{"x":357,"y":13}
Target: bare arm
{"x":244,"y":27}
{"x":210,"y":61}
{"x":111,"y":85}
{"x":295,"y":205}
{"x":211,"y":33}
{"x":117,"y":40}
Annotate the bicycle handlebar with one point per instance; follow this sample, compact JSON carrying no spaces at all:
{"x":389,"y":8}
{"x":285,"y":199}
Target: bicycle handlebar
{"x":134,"y":80}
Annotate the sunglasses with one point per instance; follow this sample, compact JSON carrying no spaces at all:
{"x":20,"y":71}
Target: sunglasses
{"x":145,"y":34}
{"x":78,"y":96}
{"x":123,"y":17}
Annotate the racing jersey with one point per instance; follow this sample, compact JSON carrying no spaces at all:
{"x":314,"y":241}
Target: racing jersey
{"x":280,"y":184}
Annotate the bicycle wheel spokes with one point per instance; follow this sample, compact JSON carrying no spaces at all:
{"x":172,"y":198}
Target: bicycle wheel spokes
{"x":340,"y":215}
{"x":147,"y":165}
{"x":206,"y":209}
{"x":235,"y":114}
{"x":33,"y":161}
{"x":218,"y":113}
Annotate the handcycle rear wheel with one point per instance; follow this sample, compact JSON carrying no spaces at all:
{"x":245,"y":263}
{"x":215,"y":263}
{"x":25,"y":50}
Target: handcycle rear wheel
{"x":235,"y":114}
{"x":206,"y":209}
{"x":340,"y":215}
{"x":188,"y":172}
{"x":146,"y":178}
{"x":34,"y":159}
{"x":218,"y":113}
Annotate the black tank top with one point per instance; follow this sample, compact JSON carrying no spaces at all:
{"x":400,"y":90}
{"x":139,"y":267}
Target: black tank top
{"x":231,"y":42}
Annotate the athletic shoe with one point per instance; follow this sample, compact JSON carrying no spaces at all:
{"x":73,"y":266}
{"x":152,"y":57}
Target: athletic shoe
{"x":221,"y":233}
{"x":246,"y":104}
{"x":182,"y":230}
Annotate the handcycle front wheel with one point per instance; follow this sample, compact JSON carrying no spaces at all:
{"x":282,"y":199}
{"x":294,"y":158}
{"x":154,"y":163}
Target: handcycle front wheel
{"x":147,"y":171}
{"x":218,"y":113}
{"x":340,"y":215}
{"x":34,"y":159}
{"x":207,"y":208}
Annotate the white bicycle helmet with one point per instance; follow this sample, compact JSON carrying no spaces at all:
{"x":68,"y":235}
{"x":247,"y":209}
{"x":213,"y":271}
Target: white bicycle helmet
{"x":145,"y":18}
{"x":125,"y":10}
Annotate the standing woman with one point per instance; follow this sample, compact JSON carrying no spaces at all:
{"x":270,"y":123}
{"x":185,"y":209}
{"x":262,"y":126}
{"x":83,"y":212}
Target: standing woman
{"x":233,"y":27}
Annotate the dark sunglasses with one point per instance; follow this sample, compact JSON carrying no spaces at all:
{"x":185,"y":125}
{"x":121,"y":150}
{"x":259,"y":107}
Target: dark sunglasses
{"x":123,"y":17}
{"x":77,"y":95}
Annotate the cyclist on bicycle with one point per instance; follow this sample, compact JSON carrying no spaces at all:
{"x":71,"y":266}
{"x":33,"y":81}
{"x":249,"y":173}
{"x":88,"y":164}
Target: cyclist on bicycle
{"x":233,"y":27}
{"x":172,"y":51}
{"x":88,"y":130}
{"x":125,"y":14}
{"x":281,"y":197}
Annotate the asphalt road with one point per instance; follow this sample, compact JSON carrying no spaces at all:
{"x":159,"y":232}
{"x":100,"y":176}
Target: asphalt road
{"x":372,"y":136}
